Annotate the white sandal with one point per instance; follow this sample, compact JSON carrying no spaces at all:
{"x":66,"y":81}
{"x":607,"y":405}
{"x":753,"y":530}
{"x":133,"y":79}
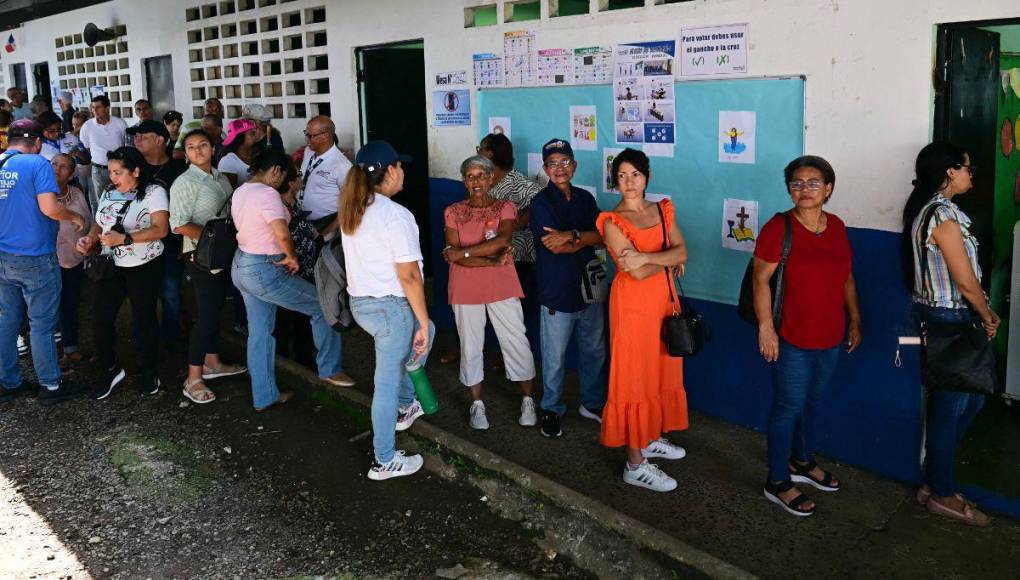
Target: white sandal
{"x":191,"y":396}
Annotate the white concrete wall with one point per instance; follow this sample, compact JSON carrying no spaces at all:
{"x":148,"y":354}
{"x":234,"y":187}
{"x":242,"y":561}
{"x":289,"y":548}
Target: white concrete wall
{"x":868,"y":66}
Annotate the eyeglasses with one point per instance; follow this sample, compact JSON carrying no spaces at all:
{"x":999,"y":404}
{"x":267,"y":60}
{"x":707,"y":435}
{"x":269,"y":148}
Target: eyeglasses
{"x":809,"y":185}
{"x":313,"y":135}
{"x":563,"y":164}
{"x":970,"y":169}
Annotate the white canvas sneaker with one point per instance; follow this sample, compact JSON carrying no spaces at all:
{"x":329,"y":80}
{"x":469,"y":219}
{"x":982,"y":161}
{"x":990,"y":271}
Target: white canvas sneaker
{"x":648,"y":476}
{"x":477,"y":418}
{"x":661,"y":448}
{"x":528,"y":416}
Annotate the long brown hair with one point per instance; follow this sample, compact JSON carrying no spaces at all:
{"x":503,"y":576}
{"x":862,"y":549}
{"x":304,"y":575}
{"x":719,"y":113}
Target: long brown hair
{"x":357,"y":193}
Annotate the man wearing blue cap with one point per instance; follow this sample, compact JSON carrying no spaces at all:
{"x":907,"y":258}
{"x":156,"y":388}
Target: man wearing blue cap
{"x":563,"y":220}
{"x":29,"y":272}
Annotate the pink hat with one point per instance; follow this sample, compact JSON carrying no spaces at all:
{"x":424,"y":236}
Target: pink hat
{"x":238,"y":127}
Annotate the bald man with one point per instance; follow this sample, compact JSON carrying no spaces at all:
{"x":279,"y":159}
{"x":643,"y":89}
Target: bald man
{"x":323,"y":170}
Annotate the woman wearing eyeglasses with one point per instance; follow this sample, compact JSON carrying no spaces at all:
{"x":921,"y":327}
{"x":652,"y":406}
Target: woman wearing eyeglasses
{"x":948,"y":291}
{"x":820,"y":294}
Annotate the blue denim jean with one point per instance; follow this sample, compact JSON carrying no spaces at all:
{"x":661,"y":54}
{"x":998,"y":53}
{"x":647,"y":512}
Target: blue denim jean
{"x":265,"y":286}
{"x":170,"y":296}
{"x":800,"y":377}
{"x":950,"y":414}
{"x":589,"y":327}
{"x":33,"y":281}
{"x":70,"y":300}
{"x":391,"y":323}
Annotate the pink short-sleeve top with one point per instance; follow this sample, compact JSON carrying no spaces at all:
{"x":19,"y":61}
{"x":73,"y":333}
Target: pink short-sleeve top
{"x":487,"y":284}
{"x":253,"y":206}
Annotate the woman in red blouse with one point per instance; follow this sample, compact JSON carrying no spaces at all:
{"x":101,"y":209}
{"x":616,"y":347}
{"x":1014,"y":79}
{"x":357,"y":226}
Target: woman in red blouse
{"x":820,"y":294}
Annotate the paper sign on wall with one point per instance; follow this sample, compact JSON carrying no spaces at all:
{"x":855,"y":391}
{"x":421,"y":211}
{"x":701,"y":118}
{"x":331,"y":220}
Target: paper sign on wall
{"x":643,"y":92}
{"x":608,"y":155}
{"x":98,"y":90}
{"x":519,"y":58}
{"x":457,"y":77}
{"x":593,"y":65}
{"x":488,"y":69}
{"x":583,"y":133}
{"x":500,"y":125}
{"x":451,"y":108}
{"x":716,"y":50}
{"x":555,"y":67}
{"x":737,"y":136}
{"x":739,"y":224}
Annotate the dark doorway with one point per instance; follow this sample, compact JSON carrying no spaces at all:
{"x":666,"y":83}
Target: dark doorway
{"x":391,"y":95}
{"x":159,"y":84}
{"x":41,"y":80}
{"x":18,"y":76}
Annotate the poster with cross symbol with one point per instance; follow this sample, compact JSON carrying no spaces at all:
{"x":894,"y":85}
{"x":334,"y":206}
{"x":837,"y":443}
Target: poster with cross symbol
{"x":739,"y":224}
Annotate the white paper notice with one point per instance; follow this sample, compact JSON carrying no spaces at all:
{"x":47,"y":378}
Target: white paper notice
{"x":555,"y":67}
{"x":717,"y":50}
{"x":608,"y":155}
{"x":500,"y":125}
{"x":583,"y":133}
{"x":488,"y":69}
{"x":536,"y":171}
{"x":736,"y":136}
{"x":519,"y":58}
{"x":457,"y":77}
{"x":643,"y":94}
{"x":593,"y":65}
{"x":739,"y":224}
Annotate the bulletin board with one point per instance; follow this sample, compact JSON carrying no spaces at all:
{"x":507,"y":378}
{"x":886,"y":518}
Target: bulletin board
{"x":693,"y":177}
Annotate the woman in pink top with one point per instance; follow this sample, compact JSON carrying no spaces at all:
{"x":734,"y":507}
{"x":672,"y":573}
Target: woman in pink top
{"x":263,"y":270}
{"x":484,"y":284}
{"x":70,"y":260}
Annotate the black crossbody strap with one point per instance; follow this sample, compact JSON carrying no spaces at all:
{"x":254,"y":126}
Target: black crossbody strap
{"x":665,"y":246}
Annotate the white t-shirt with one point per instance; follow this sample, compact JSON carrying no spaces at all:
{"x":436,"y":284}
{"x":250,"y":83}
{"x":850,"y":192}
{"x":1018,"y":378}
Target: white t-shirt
{"x":324,"y":175}
{"x":102,"y":139}
{"x":231,"y":163}
{"x":387,"y":235}
{"x":137,"y":218}
{"x":65,"y":144}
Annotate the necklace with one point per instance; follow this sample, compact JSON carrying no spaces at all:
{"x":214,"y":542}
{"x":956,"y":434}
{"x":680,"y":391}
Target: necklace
{"x":818,"y":225}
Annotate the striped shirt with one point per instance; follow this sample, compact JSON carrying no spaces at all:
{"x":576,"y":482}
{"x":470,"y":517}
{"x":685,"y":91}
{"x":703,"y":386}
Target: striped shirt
{"x":518,"y":190}
{"x":938,"y":289}
{"x":197,"y":197}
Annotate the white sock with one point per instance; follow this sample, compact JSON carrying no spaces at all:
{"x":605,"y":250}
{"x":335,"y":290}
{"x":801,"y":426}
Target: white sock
{"x":632,"y":467}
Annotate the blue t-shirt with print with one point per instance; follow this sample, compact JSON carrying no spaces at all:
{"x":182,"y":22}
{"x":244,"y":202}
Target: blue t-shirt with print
{"x":24,"y":229}
{"x":559,"y":275}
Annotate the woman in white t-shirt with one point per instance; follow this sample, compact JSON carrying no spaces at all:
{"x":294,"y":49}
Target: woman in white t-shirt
{"x":384,"y":279}
{"x":243,"y":135}
{"x":131,"y":220}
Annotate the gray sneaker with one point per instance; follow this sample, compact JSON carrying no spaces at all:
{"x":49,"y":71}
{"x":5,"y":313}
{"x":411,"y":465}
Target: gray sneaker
{"x":477,"y":418}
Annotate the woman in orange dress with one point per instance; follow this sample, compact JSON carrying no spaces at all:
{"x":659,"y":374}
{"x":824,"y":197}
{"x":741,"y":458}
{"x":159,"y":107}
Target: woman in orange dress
{"x":646,"y":393}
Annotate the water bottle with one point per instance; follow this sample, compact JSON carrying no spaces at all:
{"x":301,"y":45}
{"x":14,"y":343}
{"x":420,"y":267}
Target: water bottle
{"x":422,"y":387}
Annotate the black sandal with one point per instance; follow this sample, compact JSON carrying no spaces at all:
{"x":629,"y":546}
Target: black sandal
{"x":802,"y":474}
{"x":772,"y":491}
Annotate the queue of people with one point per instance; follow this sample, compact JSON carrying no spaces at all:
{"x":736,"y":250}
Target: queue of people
{"x":508,"y":243}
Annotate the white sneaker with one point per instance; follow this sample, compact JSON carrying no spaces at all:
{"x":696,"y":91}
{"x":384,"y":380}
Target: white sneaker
{"x":399,"y":466}
{"x":528,"y":416}
{"x":22,"y":346}
{"x":477,"y":417}
{"x":407,"y":416}
{"x":648,"y":476}
{"x":661,"y":448}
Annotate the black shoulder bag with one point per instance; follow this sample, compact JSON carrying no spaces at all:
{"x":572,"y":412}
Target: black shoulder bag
{"x":745,"y":304}
{"x":594,"y":279}
{"x":101,"y":267}
{"x":216,"y":246}
{"x":685,"y":332}
{"x":955,"y":357}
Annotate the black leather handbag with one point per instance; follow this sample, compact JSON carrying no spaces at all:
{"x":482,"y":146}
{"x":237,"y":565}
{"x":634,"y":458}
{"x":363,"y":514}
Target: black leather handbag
{"x":217,"y":245}
{"x":685,"y":332}
{"x":745,"y":304}
{"x":956,"y":356}
{"x":101,"y":267}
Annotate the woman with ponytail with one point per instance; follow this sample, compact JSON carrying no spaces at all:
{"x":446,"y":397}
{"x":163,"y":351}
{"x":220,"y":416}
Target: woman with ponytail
{"x":946,"y":290}
{"x":387,"y":290}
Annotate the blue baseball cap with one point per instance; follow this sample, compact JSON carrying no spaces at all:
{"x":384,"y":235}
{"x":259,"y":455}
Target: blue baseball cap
{"x":376,"y":155}
{"x":557,"y":146}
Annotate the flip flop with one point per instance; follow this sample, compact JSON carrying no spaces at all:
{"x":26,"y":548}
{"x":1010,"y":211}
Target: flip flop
{"x":924,"y":492}
{"x":969,"y":515}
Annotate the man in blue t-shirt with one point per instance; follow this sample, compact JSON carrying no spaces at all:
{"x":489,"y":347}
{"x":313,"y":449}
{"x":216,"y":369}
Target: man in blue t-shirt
{"x":563,"y":223}
{"x":29,"y":272}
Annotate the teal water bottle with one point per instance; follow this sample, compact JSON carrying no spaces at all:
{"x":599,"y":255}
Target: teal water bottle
{"x":422,"y":387}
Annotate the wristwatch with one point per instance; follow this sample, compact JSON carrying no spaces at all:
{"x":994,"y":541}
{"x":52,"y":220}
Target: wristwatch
{"x":128,"y":240}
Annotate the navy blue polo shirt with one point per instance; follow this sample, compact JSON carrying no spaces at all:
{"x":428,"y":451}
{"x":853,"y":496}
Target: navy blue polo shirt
{"x":559,"y":275}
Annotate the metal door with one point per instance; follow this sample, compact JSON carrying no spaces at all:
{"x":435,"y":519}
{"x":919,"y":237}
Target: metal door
{"x":159,"y":84}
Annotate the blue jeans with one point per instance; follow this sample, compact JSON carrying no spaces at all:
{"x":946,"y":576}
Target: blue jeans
{"x":589,"y":327}
{"x":392,"y":324}
{"x":70,"y":295}
{"x":800,"y":377}
{"x":33,"y":281}
{"x":264,"y":286}
{"x":170,"y":296}
{"x":950,"y":414}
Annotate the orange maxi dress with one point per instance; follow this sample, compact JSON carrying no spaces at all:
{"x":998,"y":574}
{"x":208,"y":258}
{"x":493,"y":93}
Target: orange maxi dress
{"x":646,"y":392}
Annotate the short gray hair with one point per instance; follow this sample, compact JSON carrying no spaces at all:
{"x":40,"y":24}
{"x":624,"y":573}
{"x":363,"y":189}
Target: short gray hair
{"x":477,"y":161}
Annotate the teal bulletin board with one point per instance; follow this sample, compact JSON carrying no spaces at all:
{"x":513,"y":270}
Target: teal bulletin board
{"x":694,"y":177}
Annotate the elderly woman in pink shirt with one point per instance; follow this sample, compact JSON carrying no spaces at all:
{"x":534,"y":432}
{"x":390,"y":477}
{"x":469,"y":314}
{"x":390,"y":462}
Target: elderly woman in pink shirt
{"x":484,"y":285}
{"x":71,"y":272}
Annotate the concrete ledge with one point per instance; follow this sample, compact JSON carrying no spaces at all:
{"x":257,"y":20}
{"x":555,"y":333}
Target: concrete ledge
{"x":640,"y":533}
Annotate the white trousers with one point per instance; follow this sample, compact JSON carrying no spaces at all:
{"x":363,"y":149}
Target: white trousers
{"x":508,"y":321}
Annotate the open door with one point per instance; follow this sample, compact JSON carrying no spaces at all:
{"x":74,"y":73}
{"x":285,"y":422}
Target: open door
{"x":41,"y":80}
{"x":159,"y":84}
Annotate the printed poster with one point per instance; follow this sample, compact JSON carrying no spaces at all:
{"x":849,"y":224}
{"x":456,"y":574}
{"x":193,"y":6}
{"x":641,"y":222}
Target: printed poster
{"x":716,"y":50}
{"x":739,"y":224}
{"x":593,"y":65}
{"x":519,"y":58}
{"x":736,"y":136}
{"x":583,"y":132}
{"x":451,"y":108}
{"x":608,"y":155}
{"x":643,"y":93}
{"x":488,"y":69}
{"x":457,"y":77}
{"x":97,"y":90}
{"x":536,"y":169}
{"x":500,"y":125}
{"x":555,"y":67}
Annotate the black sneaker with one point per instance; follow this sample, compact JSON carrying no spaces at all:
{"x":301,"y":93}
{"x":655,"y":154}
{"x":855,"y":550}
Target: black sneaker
{"x":108,"y":382}
{"x":150,"y":385}
{"x":68,"y":390}
{"x":551,"y":424}
{"x":26,"y":388}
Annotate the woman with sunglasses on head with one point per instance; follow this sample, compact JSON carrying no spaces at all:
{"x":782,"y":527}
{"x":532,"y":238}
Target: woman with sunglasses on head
{"x":132,"y":218}
{"x":820,"y":295}
{"x":946,"y":290}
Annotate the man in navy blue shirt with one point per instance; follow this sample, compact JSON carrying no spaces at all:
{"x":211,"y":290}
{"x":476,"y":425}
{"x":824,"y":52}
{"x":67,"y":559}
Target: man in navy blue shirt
{"x":29,"y":272}
{"x":563,"y":223}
